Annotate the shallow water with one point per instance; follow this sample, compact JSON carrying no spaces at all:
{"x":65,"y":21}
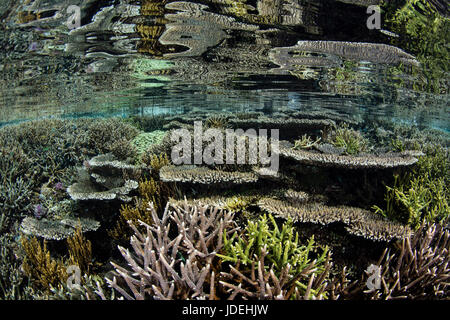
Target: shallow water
{"x":210,"y":55}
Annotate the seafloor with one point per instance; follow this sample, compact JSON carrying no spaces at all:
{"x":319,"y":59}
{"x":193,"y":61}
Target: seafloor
{"x":134,"y":164}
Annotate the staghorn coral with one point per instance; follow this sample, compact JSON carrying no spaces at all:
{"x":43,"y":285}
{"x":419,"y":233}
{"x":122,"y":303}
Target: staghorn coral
{"x":39,"y":266}
{"x":202,"y":175}
{"x":13,"y":283}
{"x":419,"y":269}
{"x":167,"y":267}
{"x":281,"y":245}
{"x":421,"y":195}
{"x":80,"y":251}
{"x":358,"y":221}
{"x":419,"y":200}
{"x":350,"y":140}
{"x":263,"y":283}
{"x":305,"y":142}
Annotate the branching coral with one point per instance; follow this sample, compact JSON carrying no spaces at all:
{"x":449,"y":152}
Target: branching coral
{"x":351,"y":140}
{"x":80,"y":251}
{"x":306,"y":142}
{"x":421,"y":195}
{"x":419,"y":269}
{"x":262,"y":284}
{"x":13,"y":284}
{"x":279,"y":246}
{"x":421,"y":199}
{"x":150,"y":190}
{"x":40,"y":266}
{"x":168,"y":267}
{"x":102,"y":135}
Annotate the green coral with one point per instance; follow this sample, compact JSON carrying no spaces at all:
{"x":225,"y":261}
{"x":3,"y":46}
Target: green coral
{"x":143,"y":141}
{"x":305,"y":143}
{"x":283,"y":247}
{"x":425,"y":33}
{"x":351,"y":140}
{"x":421,"y":195}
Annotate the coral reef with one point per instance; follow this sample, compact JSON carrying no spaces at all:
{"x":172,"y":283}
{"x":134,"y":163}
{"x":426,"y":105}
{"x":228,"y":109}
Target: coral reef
{"x":105,"y":178}
{"x":358,"y":221}
{"x":40,"y":266}
{"x":13,"y":283}
{"x":368,"y":161}
{"x":145,"y":140}
{"x":202,"y":175}
{"x":351,"y":141}
{"x":53,"y":229}
{"x":419,"y":269}
{"x":258,"y":283}
{"x":80,"y":251}
{"x":166,"y":267}
{"x":421,"y":195}
{"x":281,"y":248}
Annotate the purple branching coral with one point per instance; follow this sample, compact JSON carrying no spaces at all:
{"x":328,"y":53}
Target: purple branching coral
{"x":174,"y":267}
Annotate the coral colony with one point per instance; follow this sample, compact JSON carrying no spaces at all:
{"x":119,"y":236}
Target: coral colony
{"x":305,"y":169}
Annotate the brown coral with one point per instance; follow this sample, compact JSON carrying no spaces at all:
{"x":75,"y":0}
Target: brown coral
{"x":358,"y":221}
{"x":348,"y":162}
{"x":202,"y":175}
